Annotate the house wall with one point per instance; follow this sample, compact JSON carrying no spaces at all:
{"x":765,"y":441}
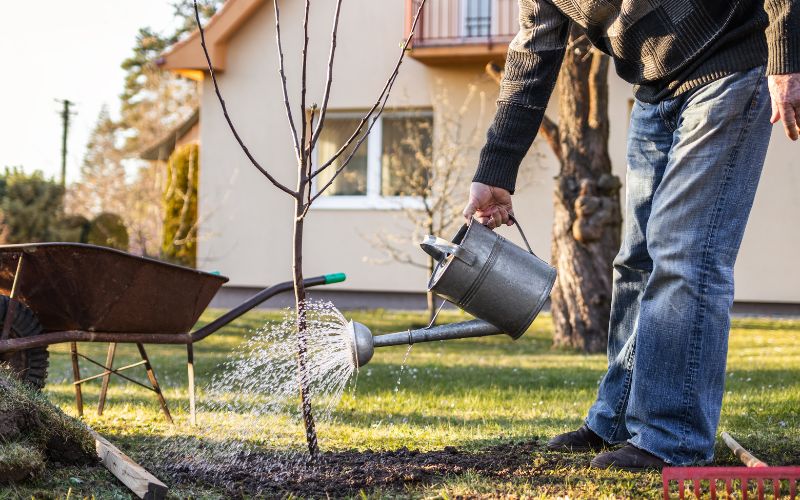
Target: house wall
{"x":245,"y":224}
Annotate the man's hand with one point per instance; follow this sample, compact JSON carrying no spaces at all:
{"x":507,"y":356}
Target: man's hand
{"x":785,"y":93}
{"x":490,"y":205}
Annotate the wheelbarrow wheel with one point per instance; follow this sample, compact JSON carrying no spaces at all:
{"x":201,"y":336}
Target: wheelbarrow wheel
{"x":29,"y":365}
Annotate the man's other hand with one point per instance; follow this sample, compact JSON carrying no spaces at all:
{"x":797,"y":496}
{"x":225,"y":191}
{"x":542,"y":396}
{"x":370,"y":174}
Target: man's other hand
{"x":785,"y":93}
{"x":490,"y":205}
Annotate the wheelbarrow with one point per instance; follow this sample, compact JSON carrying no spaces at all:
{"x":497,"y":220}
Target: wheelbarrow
{"x":52,"y":293}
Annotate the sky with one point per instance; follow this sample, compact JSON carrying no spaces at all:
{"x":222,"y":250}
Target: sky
{"x":55,"y":49}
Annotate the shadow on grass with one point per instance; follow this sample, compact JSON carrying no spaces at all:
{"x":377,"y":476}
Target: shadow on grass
{"x":435,"y":380}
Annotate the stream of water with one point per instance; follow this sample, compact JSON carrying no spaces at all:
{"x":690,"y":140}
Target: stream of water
{"x":252,"y":403}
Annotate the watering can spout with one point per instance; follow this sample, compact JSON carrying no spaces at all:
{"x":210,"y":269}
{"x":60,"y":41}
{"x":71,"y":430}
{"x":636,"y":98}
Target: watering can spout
{"x":364,"y":343}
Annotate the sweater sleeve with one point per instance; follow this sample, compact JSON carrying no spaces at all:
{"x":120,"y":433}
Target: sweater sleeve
{"x":534,"y":58}
{"x":783,"y":36}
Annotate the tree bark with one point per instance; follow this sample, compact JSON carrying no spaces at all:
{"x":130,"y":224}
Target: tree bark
{"x":302,"y":330}
{"x":430,"y":296}
{"x":587,"y":219}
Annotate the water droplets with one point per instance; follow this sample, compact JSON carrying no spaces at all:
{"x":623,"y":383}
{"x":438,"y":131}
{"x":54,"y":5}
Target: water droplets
{"x":252,"y":402}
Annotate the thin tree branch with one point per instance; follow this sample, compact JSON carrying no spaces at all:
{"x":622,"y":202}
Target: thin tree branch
{"x":598,"y":90}
{"x":379,"y":105}
{"x":282,"y":71}
{"x":309,"y":165}
{"x":329,"y":78}
{"x":252,"y":159}
{"x":549,"y":131}
{"x":303,"y":89}
{"x":382,"y":242}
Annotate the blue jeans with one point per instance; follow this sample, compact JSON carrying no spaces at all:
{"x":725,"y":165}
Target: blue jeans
{"x":694,"y":162}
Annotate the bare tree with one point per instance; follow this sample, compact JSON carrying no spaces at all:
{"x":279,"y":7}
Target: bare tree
{"x":144,"y":215}
{"x":428,"y":164}
{"x":104,"y":187}
{"x":304,"y":137}
{"x":587,"y":219}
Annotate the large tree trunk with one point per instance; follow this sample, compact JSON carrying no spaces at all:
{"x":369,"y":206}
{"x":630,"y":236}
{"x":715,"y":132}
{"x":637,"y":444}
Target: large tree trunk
{"x":586,"y":225}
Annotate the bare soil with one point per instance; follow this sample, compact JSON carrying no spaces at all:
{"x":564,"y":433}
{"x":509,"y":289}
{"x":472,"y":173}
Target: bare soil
{"x":337,"y":474}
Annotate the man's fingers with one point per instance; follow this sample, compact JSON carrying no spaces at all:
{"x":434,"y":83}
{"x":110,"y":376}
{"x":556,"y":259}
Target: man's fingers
{"x":483,"y":218}
{"x":776,"y":115}
{"x":789,"y":121}
{"x":503,"y":213}
{"x":469,"y":210}
{"x":497,"y":219}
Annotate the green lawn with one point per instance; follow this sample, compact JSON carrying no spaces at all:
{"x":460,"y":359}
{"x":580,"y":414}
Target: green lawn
{"x":470,"y":394}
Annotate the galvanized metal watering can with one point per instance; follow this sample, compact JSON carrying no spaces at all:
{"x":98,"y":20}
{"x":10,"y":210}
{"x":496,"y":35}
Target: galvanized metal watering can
{"x":484,"y":274}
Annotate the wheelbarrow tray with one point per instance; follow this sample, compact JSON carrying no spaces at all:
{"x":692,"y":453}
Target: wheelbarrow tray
{"x":74,"y":286}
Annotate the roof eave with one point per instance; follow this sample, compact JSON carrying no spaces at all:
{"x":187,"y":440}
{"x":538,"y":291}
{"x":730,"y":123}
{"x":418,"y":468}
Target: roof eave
{"x":187,"y":58}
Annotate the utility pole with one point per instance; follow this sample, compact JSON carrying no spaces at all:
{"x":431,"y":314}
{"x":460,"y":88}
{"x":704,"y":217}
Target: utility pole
{"x":65,"y":114}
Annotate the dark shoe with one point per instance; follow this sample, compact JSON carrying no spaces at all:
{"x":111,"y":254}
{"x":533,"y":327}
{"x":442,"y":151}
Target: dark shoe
{"x":584,"y":439}
{"x":629,"y":458}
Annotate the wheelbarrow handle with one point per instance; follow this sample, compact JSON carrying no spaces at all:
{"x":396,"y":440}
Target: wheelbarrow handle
{"x":259,"y":299}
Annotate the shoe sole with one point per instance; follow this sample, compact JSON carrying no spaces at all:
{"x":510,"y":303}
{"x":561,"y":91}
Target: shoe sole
{"x":626,"y":469}
{"x":574,"y":449}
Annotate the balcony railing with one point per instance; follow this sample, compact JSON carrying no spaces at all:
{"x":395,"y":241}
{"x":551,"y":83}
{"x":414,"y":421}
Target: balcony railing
{"x":464,"y":22}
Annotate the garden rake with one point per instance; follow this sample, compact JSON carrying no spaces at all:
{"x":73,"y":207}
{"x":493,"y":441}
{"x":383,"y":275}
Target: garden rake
{"x":756,"y":478}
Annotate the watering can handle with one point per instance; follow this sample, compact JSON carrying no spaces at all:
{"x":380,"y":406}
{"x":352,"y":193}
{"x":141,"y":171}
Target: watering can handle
{"x":439,"y":248}
{"x":519,"y":228}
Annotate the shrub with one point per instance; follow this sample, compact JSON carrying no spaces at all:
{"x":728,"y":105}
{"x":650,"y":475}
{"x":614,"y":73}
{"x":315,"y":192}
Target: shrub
{"x":108,"y":230}
{"x":179,"y":243}
{"x":31,"y":206}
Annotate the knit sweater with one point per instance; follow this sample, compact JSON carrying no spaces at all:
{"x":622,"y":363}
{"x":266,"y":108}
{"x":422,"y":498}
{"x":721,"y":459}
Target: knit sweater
{"x":664,"y":48}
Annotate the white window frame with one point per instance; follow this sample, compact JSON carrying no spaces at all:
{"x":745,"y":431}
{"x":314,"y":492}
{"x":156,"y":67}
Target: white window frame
{"x":373,"y":200}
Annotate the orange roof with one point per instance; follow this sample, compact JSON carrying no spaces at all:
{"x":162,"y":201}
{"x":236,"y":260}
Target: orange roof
{"x":186,"y":57}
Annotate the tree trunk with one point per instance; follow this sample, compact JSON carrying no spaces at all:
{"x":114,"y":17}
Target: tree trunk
{"x":431,"y":297}
{"x":302,"y":331}
{"x":587,"y":220}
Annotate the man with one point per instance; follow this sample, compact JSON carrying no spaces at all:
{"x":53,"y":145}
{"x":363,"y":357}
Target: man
{"x":704,"y":74}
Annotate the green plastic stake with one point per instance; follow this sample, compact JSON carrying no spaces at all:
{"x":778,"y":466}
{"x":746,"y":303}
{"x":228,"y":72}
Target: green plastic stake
{"x":334,"y":278}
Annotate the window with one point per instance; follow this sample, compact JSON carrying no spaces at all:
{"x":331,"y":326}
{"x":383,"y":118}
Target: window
{"x":477,"y":17}
{"x":389,"y":168}
{"x":353,"y":179}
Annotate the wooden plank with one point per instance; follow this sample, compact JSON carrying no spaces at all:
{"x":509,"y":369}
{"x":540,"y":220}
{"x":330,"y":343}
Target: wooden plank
{"x":134,"y":476}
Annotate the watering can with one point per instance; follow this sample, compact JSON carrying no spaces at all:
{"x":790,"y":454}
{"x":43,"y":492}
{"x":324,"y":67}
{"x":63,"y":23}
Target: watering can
{"x":483,"y":273}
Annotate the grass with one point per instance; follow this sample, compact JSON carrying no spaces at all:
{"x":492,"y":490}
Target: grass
{"x":468,"y":393}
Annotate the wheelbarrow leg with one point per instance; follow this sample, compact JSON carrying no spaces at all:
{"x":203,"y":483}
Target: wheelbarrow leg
{"x":112,"y":347}
{"x":154,"y":382}
{"x":76,"y":374}
{"x":190,"y":370}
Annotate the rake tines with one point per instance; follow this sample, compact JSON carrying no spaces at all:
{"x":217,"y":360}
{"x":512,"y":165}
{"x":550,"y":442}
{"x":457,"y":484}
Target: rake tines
{"x":741,"y":482}
{"x":736,"y":480}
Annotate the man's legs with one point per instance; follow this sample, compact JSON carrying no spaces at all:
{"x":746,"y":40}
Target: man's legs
{"x":697,"y":219}
{"x":649,"y":142}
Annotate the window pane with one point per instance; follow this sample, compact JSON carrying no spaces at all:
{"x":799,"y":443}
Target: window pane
{"x":353,"y":179}
{"x":478,"y":17}
{"x":407,"y":153}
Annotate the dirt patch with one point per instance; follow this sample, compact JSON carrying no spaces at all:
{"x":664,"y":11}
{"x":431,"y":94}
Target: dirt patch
{"x":338,"y":474}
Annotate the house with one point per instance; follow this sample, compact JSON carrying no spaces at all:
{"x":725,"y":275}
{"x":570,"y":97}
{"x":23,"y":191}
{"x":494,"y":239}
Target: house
{"x":186,"y":132}
{"x":245,"y":224}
